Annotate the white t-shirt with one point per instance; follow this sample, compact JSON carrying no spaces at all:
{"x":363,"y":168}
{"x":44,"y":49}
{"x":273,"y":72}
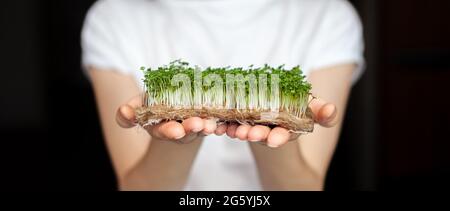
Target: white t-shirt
{"x":123,"y":35}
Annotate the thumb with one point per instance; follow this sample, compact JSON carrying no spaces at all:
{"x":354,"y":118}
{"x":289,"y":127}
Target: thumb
{"x":325,"y":113}
{"x":125,"y":116}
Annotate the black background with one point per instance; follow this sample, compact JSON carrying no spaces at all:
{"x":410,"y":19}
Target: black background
{"x":395,"y":134}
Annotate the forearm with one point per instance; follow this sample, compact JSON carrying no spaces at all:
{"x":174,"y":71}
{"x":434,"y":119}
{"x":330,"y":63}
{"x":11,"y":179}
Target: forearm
{"x":284,"y":168}
{"x":165,"y":166}
{"x":303,"y":164}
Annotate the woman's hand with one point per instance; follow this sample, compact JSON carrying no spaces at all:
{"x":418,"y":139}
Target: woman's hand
{"x":184,"y":132}
{"x":195,"y":127}
{"x":325,"y":114}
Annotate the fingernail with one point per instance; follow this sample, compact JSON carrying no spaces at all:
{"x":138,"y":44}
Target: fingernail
{"x":272,"y":145}
{"x":179,"y":137}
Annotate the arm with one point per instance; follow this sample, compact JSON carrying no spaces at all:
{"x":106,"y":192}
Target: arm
{"x":302,"y":164}
{"x":144,"y":161}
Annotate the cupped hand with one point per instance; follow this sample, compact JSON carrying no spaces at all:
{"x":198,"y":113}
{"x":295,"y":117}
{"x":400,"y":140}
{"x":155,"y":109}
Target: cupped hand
{"x":181,"y":132}
{"x":325,"y":114}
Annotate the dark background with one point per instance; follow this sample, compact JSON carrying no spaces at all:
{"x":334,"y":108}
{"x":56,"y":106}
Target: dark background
{"x":396,"y":129}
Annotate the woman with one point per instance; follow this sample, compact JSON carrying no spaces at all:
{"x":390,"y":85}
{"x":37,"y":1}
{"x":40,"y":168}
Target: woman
{"x":322,"y":36}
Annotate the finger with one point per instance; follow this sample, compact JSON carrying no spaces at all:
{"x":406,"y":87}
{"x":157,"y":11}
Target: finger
{"x":168,"y":130}
{"x":277,"y":137}
{"x":231,"y":130}
{"x":258,"y":133}
{"x":328,"y":115}
{"x":125,"y":116}
{"x":242,"y":132}
{"x":193,"y":124}
{"x":324,"y":113}
{"x":210,"y":126}
{"x":221,"y":129}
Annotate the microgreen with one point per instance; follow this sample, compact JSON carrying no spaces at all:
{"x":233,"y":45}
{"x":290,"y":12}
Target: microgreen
{"x":293,"y":89}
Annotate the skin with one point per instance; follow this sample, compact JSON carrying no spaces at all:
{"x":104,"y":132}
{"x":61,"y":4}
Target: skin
{"x":155,"y":159}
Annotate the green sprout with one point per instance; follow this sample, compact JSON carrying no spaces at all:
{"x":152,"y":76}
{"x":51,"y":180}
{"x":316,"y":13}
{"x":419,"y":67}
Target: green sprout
{"x":254,"y":88}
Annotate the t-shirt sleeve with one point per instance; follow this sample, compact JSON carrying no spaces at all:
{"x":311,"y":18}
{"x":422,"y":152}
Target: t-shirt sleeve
{"x":100,"y":40}
{"x":340,"y":39}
